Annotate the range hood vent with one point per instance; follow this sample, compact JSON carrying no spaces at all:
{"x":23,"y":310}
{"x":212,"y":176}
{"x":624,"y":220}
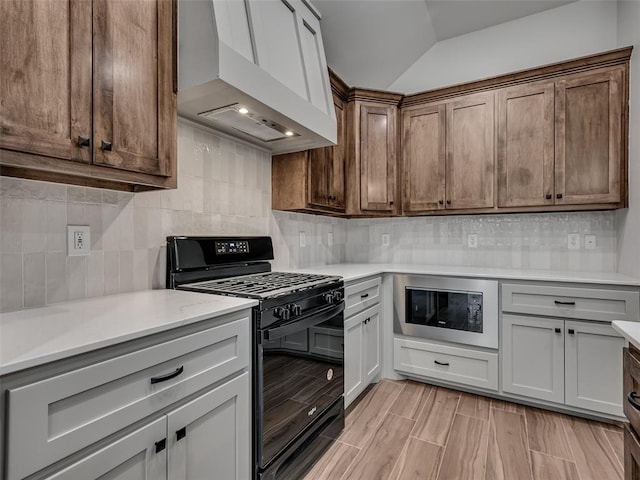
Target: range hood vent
{"x":240,"y":118}
{"x":262,"y":56}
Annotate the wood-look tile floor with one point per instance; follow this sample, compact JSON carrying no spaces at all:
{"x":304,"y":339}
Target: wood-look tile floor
{"x":413,"y":431}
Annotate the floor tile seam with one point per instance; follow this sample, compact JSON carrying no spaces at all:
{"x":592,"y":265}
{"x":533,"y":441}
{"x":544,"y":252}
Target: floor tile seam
{"x":613,"y":450}
{"x":554,"y":457}
{"x":404,"y":447}
{"x":424,"y":405}
{"x":527,"y":443}
{"x":446,"y":442}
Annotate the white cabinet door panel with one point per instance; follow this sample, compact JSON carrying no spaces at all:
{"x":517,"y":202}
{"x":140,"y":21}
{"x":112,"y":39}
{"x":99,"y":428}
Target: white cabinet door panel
{"x":216,"y":440}
{"x":371,"y":342}
{"x":353,"y":358}
{"x":533,"y":357}
{"x":314,"y":64}
{"x":593,"y":361}
{"x":133,"y":457}
{"x":233,"y":26}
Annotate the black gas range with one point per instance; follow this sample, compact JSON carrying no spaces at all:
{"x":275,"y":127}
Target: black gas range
{"x":298,"y":340}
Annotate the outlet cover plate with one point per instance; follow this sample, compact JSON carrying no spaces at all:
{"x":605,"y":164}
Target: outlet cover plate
{"x":386,"y":239}
{"x":573,"y":241}
{"x":590,"y":242}
{"x":303,"y":240}
{"x":78,"y":240}
{"x":330,"y":238}
{"x":472,"y":240}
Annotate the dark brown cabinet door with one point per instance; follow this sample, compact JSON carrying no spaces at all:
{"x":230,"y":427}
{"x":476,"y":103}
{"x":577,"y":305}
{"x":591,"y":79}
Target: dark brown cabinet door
{"x":470,"y":152}
{"x":423,"y":157}
{"x":526,"y":145}
{"x":134,"y":101}
{"x":45,"y":78}
{"x":326,"y":169}
{"x":377,"y":158}
{"x":588,"y":137}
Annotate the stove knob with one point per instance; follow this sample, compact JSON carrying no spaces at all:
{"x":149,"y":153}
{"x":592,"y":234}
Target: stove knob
{"x":295,"y":309}
{"x":337,"y":296}
{"x":329,"y":297}
{"x":281,"y":313}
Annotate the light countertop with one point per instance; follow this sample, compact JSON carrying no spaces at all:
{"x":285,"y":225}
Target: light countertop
{"x":629,"y":330}
{"x":355,"y":271}
{"x":40,"y":335}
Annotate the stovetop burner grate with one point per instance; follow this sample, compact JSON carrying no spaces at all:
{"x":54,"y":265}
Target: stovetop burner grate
{"x":261,"y":285}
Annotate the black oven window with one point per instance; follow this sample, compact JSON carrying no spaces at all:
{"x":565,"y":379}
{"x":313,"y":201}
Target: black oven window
{"x":452,"y":310}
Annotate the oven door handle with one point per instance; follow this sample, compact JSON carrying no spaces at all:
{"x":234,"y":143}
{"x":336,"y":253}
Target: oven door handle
{"x":302,"y":323}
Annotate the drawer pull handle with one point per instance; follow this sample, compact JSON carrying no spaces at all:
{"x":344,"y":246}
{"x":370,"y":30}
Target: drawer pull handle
{"x":161,"y":445}
{"x":364,"y":295}
{"x":84,"y":141}
{"x":444,"y":364}
{"x":168,"y":376}
{"x":558,"y":302}
{"x":106,"y":146}
{"x":631,"y":398}
{"x":180,"y":434}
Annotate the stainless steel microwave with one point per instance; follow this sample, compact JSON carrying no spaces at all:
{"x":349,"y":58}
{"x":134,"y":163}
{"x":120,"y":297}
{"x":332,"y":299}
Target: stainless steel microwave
{"x":459,"y":310}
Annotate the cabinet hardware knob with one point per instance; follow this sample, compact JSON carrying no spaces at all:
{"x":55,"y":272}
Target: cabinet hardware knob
{"x":558,"y":302}
{"x":180,"y":434}
{"x":448,"y":202}
{"x":391,"y":202}
{"x":548,"y":196}
{"x":558,"y":330}
{"x":440,"y":202}
{"x":106,"y":146}
{"x":571,"y":331}
{"x":631,"y":398}
{"x":84,"y":141}
{"x":161,"y":445}
{"x":168,"y":376}
{"x":444,"y":364}
{"x":558,"y":195}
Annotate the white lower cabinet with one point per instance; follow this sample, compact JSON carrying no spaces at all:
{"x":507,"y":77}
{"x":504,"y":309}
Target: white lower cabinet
{"x":533,"y":357}
{"x":578,"y":364}
{"x":593,"y":367}
{"x":212,"y":434}
{"x":133,"y":457}
{"x":362,"y":358}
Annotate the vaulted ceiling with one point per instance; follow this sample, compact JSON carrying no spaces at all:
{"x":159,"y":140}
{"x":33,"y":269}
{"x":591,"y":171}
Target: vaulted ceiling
{"x":370,"y":43}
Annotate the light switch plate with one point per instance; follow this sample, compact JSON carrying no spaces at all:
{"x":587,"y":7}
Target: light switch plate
{"x":573,"y":241}
{"x":78,"y":240}
{"x":386,"y":239}
{"x":590,"y":242}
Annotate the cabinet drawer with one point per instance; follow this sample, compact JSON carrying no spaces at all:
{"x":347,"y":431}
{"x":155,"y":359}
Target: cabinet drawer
{"x":569,"y":302}
{"x":361,"y":295}
{"x":631,"y":454}
{"x":463,"y":366}
{"x":631,"y":381}
{"x":55,"y":417}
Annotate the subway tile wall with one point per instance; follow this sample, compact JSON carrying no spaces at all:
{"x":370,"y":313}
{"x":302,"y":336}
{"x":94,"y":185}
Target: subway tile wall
{"x":519,"y":241}
{"x":225,"y":189}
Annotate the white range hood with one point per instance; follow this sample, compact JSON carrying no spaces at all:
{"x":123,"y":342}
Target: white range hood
{"x":256,"y":69}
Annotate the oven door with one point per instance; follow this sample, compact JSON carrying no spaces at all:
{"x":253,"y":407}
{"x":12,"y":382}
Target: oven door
{"x":299,"y":376}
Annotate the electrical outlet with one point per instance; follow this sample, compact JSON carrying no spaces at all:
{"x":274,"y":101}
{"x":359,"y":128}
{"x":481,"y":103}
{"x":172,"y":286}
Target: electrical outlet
{"x":573,"y":241}
{"x":386,"y":239}
{"x":590,"y":242}
{"x":78,"y":240}
{"x":472,"y":240}
{"x":330,"y":238}
{"x":303,"y":240}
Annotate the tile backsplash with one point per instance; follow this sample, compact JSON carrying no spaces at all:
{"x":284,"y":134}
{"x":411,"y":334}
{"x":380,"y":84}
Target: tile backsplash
{"x":224,"y":188}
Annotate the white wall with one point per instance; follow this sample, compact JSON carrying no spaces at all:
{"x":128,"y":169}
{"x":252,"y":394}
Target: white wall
{"x":629,"y":220}
{"x":573,"y":30}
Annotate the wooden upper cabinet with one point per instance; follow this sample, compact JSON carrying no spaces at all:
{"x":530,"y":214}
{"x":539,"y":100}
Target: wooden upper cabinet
{"x":377,"y":152}
{"x":45,"y":78}
{"x":589,"y":156}
{"x":133,"y":95}
{"x":326,"y":168}
{"x":88,"y":92}
{"x":526,"y":145}
{"x":470,"y":152}
{"x":423,"y":158}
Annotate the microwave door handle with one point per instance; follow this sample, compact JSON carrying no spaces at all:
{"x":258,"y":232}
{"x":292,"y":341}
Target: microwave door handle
{"x":302,"y":323}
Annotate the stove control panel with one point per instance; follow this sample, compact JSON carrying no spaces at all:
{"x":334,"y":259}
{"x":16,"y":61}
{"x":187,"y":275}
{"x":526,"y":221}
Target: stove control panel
{"x":230,"y":247}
